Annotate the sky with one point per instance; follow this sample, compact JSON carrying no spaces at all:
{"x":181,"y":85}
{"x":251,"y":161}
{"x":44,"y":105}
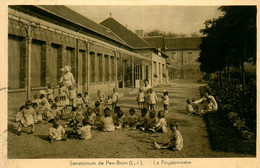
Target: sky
{"x":175,"y":19}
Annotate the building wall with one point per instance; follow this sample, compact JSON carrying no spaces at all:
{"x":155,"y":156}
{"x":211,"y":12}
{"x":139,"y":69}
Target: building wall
{"x":185,"y":61}
{"x":159,"y":68}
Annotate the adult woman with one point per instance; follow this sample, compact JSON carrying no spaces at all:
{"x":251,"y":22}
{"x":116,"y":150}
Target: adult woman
{"x":145,"y":89}
{"x":67,"y":78}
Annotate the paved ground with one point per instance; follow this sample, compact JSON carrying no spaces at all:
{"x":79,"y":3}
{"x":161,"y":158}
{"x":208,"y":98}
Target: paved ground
{"x":123,"y":143}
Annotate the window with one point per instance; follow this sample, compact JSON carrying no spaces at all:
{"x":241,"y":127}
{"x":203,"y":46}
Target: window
{"x":71,"y":59}
{"x":16,"y":62}
{"x":106,"y":67}
{"x":37,"y":64}
{"x":100,"y":68}
{"x":112,"y":68}
{"x":92,"y":67}
{"x":82,"y":67}
{"x":53,"y":61}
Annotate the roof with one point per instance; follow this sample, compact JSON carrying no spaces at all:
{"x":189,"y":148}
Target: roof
{"x":127,"y":35}
{"x":173,"y":43}
{"x":155,"y":41}
{"x":72,"y":16}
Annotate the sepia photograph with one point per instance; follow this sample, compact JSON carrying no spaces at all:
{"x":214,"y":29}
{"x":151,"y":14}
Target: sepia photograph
{"x":131,"y":81}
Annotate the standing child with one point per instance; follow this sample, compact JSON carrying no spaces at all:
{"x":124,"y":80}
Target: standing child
{"x":176,"y":140}
{"x":86,"y":99}
{"x":140,"y":99}
{"x":152,"y":99}
{"x":132,"y":119}
{"x":85,"y":131}
{"x":115,"y":98}
{"x":142,"y":120}
{"x":101,"y":96}
{"x":28,"y":117}
{"x":72,"y":95}
{"x":161,"y":126}
{"x":57,"y":132}
{"x":50,"y":92}
{"x":107,"y":121}
{"x":166,"y":101}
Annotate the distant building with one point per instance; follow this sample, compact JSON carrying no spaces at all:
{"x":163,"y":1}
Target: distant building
{"x":183,"y":53}
{"x":155,"y":70}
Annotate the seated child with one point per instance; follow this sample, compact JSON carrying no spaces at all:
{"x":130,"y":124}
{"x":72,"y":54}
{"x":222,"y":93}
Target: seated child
{"x":107,"y":121}
{"x":109,"y":100}
{"x":27,"y":117}
{"x":53,"y":113}
{"x":62,"y":90}
{"x":78,"y":100}
{"x":119,"y":119}
{"x":65,"y":104}
{"x":77,"y":117}
{"x":132,"y":119}
{"x":36,"y":99}
{"x":142,"y":120}
{"x":101,"y":96}
{"x":19,"y":114}
{"x":161,"y":126}
{"x":152,"y":121}
{"x":176,"y":140}
{"x":50,"y":102}
{"x":57,"y":132}
{"x":140,"y":99}
{"x":42,"y":110}
{"x":91,"y":116}
{"x":86,"y":99}
{"x":58,"y":103}
{"x":98,"y":112}
{"x":50,"y":92}
{"x":189,"y":107}
{"x":85,"y":131}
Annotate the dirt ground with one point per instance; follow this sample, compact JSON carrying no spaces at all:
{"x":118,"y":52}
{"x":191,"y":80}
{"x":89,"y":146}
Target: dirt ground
{"x":123,"y":143}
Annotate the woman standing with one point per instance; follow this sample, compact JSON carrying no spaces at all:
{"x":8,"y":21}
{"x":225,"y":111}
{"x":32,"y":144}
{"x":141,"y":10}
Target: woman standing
{"x":67,"y":78}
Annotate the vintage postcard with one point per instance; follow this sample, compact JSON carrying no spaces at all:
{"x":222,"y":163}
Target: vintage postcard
{"x":129,"y":84}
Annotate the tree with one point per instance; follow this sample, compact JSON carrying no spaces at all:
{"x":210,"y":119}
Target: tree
{"x":229,"y":40}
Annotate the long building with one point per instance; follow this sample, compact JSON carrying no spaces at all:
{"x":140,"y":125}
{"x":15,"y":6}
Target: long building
{"x":43,"y":39}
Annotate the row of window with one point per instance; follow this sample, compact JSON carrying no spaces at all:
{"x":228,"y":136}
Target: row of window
{"x":47,"y":70}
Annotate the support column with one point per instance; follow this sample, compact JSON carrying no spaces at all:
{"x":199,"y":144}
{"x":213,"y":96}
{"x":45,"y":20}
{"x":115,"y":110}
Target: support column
{"x":133,"y":82}
{"x":77,"y":65}
{"x":115,"y":63}
{"x":123,"y":73}
{"x":104,"y":68}
{"x":28,"y":28}
{"x":87,"y":69}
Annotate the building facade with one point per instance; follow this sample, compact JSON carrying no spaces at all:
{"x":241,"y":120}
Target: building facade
{"x":43,"y":39}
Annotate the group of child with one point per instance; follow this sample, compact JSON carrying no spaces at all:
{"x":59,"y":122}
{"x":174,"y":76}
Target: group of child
{"x":151,"y":99}
{"x":73,"y":108}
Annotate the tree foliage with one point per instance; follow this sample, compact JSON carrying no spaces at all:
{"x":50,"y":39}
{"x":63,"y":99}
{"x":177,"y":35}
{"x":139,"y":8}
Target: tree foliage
{"x":229,"y":40}
{"x":162,"y":33}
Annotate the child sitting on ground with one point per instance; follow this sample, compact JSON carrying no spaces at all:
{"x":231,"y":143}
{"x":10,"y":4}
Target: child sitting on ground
{"x":62,"y":90}
{"x":42,"y":110}
{"x":109,"y":101}
{"x":57,"y":132}
{"x":85,"y":131}
{"x":98,"y":112}
{"x":189,"y":107}
{"x":115,"y":98}
{"x":161,"y":126}
{"x":119,"y":119}
{"x":176,"y":140}
{"x":101,"y":96}
{"x":77,"y":117}
{"x":28,"y":117}
{"x":132,"y":119}
{"x":52,"y":114}
{"x":50,"y":92}
{"x":152,"y":121}
{"x":86,"y":99}
{"x":107,"y":124}
{"x":142,"y":120}
{"x":166,"y":101}
{"x":91,"y":116}
{"x":78,"y":100}
{"x":50,"y":102}
{"x":152,"y":99}
{"x":140,"y":99}
{"x":58,"y":103}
